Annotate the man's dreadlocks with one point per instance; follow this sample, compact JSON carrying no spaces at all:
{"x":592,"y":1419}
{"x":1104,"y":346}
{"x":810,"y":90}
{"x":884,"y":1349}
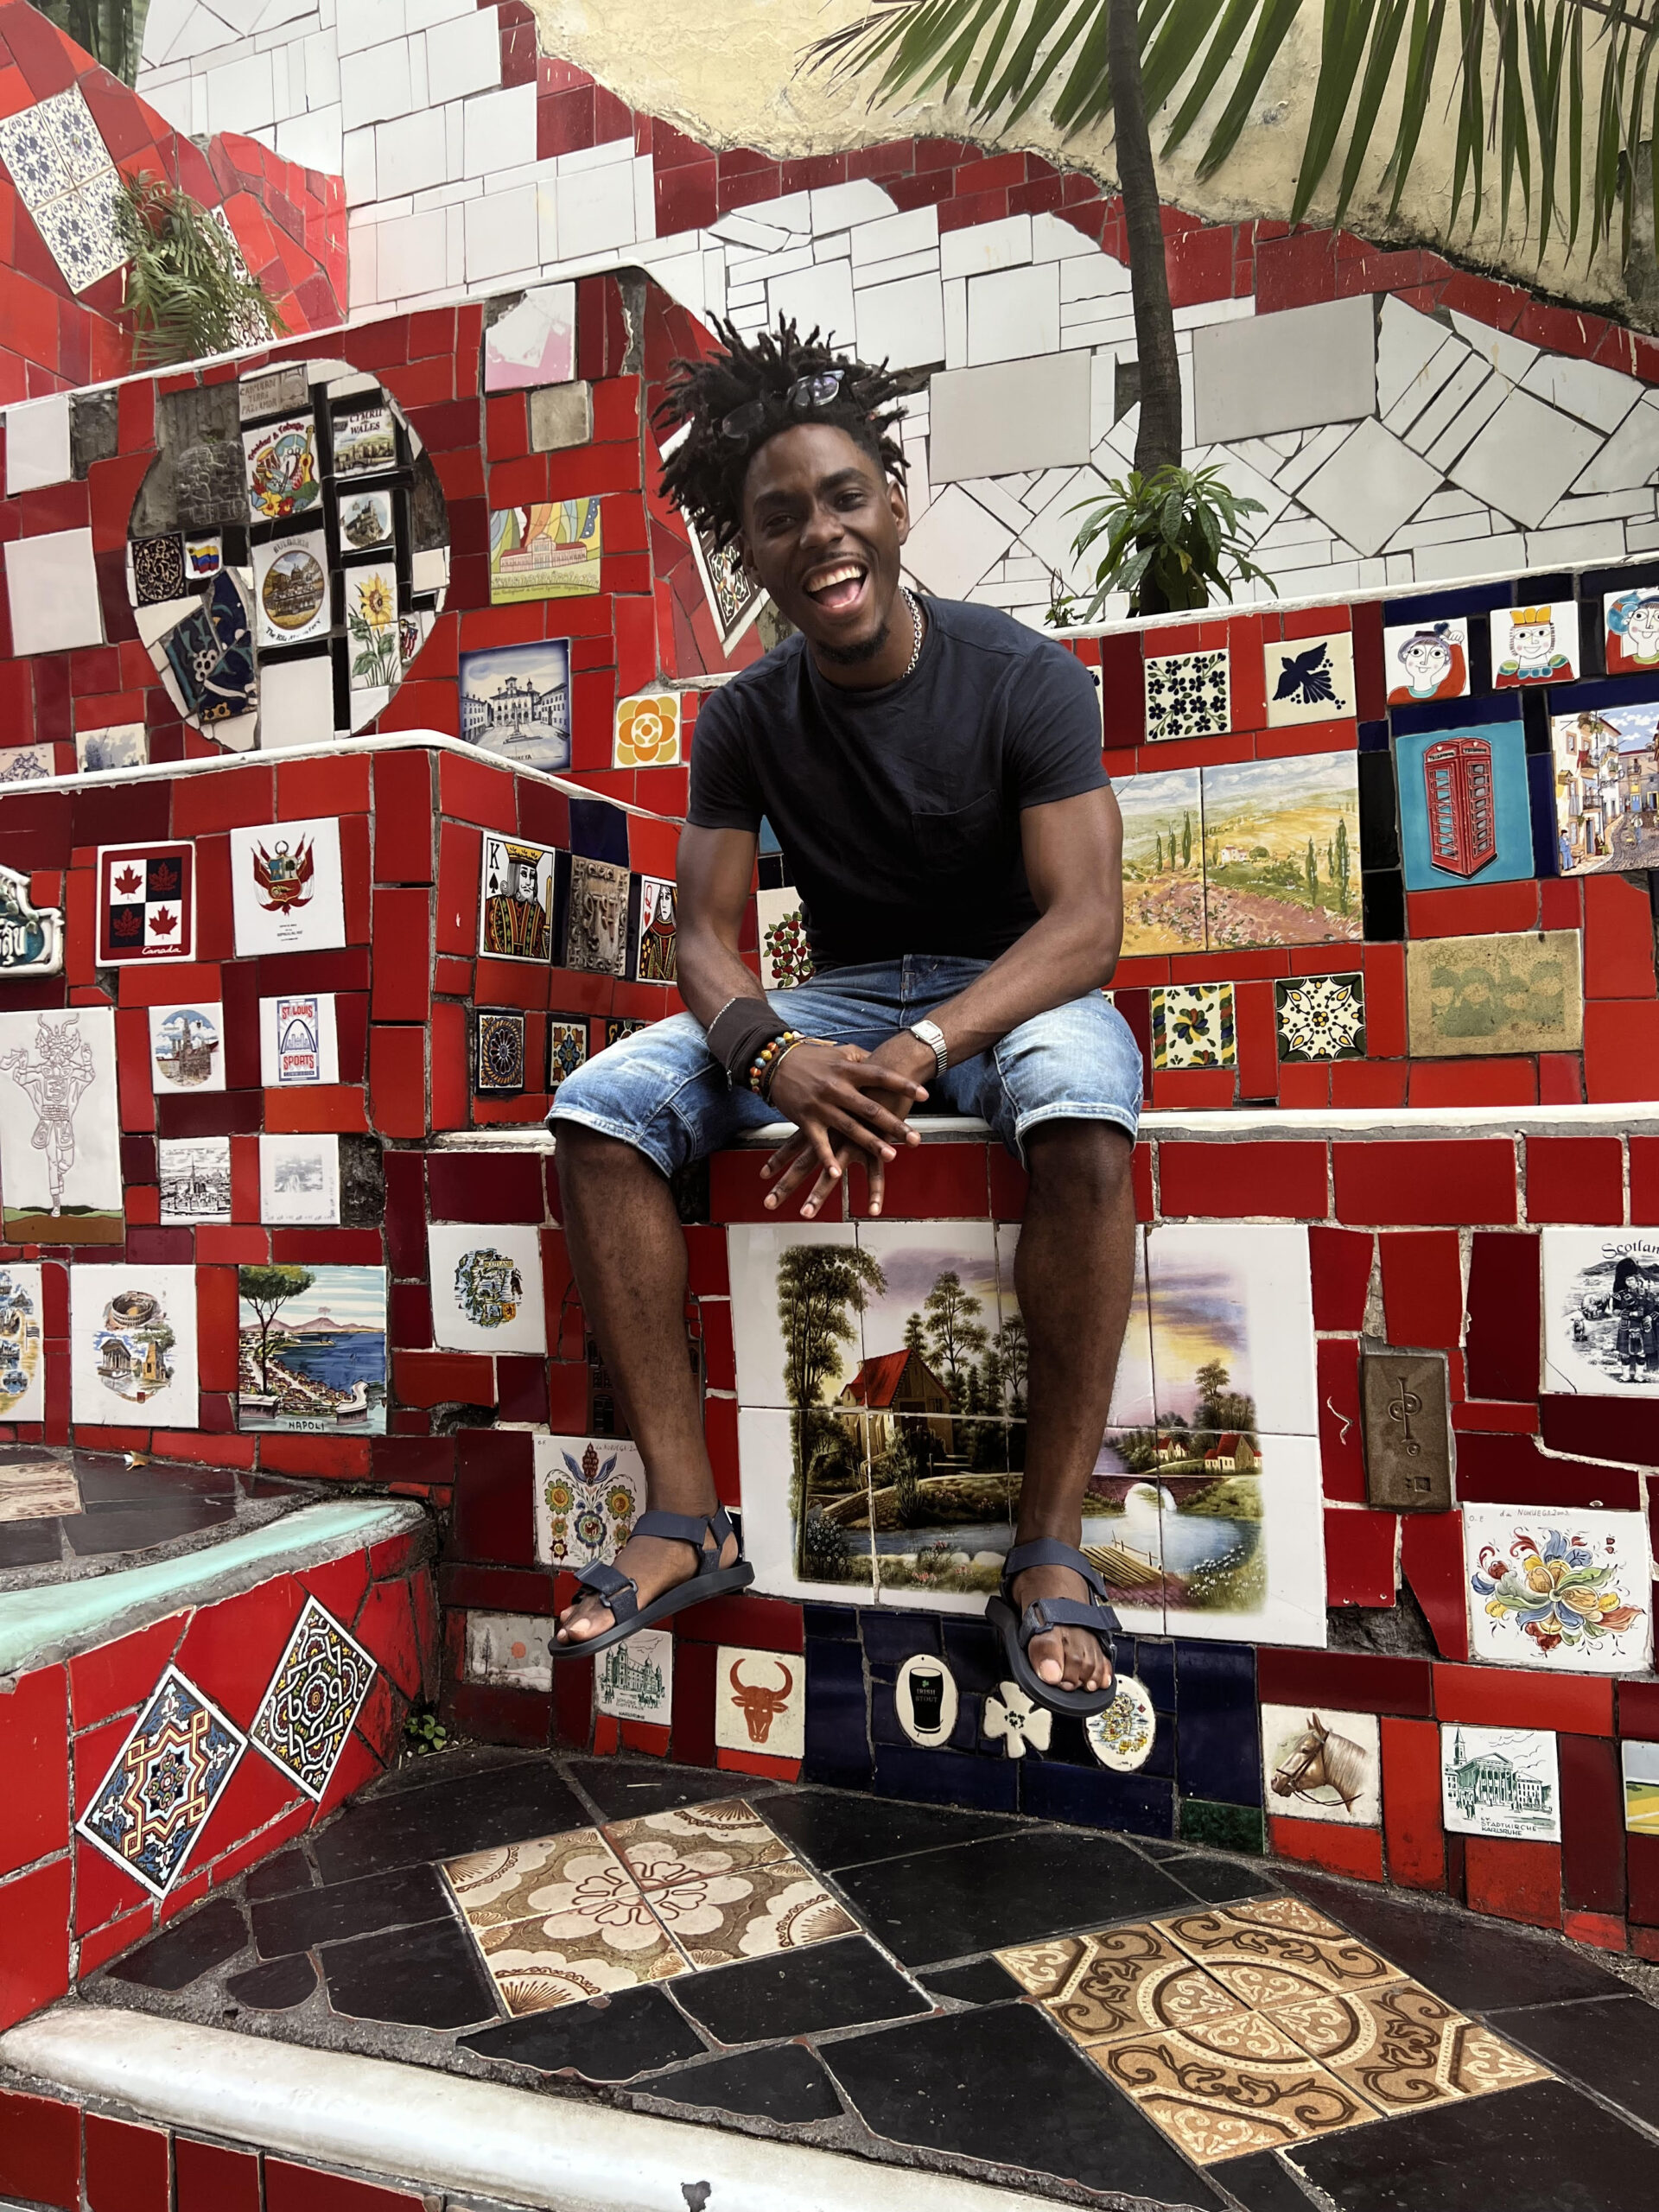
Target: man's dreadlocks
{"x":703,"y":476}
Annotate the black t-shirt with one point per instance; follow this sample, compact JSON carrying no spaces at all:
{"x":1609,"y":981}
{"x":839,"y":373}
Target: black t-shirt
{"x":897,"y":810}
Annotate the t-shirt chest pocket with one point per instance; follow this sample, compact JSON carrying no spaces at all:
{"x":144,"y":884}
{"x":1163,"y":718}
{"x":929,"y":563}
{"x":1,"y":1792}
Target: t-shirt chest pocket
{"x":966,"y":837}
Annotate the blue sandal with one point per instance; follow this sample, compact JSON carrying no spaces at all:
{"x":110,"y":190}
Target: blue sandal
{"x":621,"y":1592}
{"x":1017,"y":1630}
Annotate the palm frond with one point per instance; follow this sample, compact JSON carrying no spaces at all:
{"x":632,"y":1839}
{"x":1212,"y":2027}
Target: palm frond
{"x":187,"y":287}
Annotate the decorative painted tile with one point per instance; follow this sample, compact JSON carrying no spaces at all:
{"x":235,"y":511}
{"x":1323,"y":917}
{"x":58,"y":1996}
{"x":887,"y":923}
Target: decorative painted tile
{"x":785,"y":959}
{"x":616,"y":1026}
{"x":120,"y":745}
{"x":1282,"y":851}
{"x":1640,"y":1775}
{"x":287,"y":890}
{"x":734,"y":596}
{"x":589,"y":1491}
{"x":60,"y":1170}
{"x":203,"y":555}
{"x":364,"y":440}
{"x":597,"y":918}
{"x":1630,"y":626}
{"x":1322,"y":1766}
{"x":1276,"y":1949}
{"x":31,"y":937}
{"x":157,"y":569}
{"x":1232,"y":1331}
{"x":1163,"y":862}
{"x":27,"y":764}
{"x":1601,"y":1312}
{"x":634,"y":1680}
{"x":1607,"y":787}
{"x":132,"y":1331}
{"x":280,"y":465}
{"x":80,"y":231}
{"x":1320,"y":1017}
{"x":1118,"y":1982}
{"x":515,"y":901}
{"x":299,"y":1180}
{"x":1503,"y":1781}
{"x":22,"y":1363}
{"x":760,"y":1702}
{"x":1427,"y":661}
{"x":375,"y":652}
{"x":1535,"y":645}
{"x":1014,"y":1719}
{"x":567,"y":1048}
{"x":316,"y":1695}
{"x":277,"y":390}
{"x":34,"y":155}
{"x":515,"y":699}
{"x":1512,"y":994}
{"x":1574,"y":1595}
{"x":718,"y":1915}
{"x":366,"y":521}
{"x":38,"y":1490}
{"x":499,"y":1052}
{"x":549,"y":551}
{"x":194,"y":1174}
{"x":313,"y":1350}
{"x":511,"y":1650}
{"x":725,"y":1833}
{"x":1309,"y":679}
{"x":1465,"y":816}
{"x":150,"y":1808}
{"x":80,"y":141}
{"x":646,"y":732}
{"x":1402,"y":2048}
{"x":1213,"y":2102}
{"x":925,"y":1699}
{"x":654,"y":949}
{"x":1122,"y":1738}
{"x":485,"y":1283}
{"x":1187,"y":695}
{"x":1193,"y":1026}
{"x":806,"y":1528}
{"x":290,"y":579}
{"x":209,"y":655}
{"x":146,"y":903}
{"x":299,"y":1039}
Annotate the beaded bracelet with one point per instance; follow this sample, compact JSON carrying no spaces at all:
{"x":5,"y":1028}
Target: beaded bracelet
{"x":764,"y":1064}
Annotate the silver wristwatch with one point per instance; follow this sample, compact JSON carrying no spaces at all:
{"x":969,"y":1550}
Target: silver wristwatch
{"x":933,"y":1037}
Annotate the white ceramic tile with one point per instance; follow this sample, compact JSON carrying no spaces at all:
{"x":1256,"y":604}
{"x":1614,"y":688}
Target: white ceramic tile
{"x":241,"y":96}
{"x":913,"y":232}
{"x":374,"y":85}
{"x":838,"y":206}
{"x":1596,"y":395}
{"x":52,"y":585}
{"x":1322,"y":1764}
{"x":595,"y":210}
{"x":485,"y":1283}
{"x":296,"y":702}
{"x":313,"y":140}
{"x":357,"y":157}
{"x":1410,"y":366}
{"x":1238,"y":1296}
{"x":298,"y":1040}
{"x":1566,"y":1591}
{"x":1368,"y":487}
{"x":1014,"y":313}
{"x":980,"y":247}
{"x":755,"y":1255}
{"x":266,"y":863}
{"x":1630,"y":456}
{"x":411,"y":256}
{"x":1525,"y":457}
{"x":760,"y":1702}
{"x":132,"y":1333}
{"x":1501,"y":1782}
{"x":500,"y":129}
{"x":37,"y":443}
{"x":410,"y":152}
{"x":902,"y":322}
{"x":1464,"y":402}
{"x":367,"y":22}
{"x":821,"y":296}
{"x":1052,"y":238}
{"x":1257,"y":1576}
{"x":955,"y":544}
{"x":1285,"y":371}
{"x":1510,"y":356}
{"x":502,"y":233}
{"x":299,"y":1180}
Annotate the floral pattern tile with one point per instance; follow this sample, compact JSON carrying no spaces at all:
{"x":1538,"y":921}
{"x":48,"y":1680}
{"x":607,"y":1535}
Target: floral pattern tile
{"x":1121,"y":1981}
{"x":1245,"y":2088}
{"x":1188,"y":695}
{"x":56,"y":157}
{"x":728,"y":1833}
{"x":1193,"y":1026}
{"x":1320,"y":1017}
{"x":724,"y":1886}
{"x":1402,"y":2047}
{"x":1276,"y":1950}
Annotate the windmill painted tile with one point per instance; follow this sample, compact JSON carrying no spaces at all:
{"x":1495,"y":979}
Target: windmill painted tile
{"x":1193,"y":1026}
{"x":1323,"y":1765}
{"x":1282,"y":851}
{"x":160,"y":1792}
{"x":1320,"y":1017}
{"x":1535,"y":645}
{"x":1501,"y":1782}
{"x":1188,"y":695}
{"x":1427,"y":661}
{"x":1163,"y":862}
{"x":316,"y":1694}
{"x":1570,"y":1593}
{"x":1309,"y":679}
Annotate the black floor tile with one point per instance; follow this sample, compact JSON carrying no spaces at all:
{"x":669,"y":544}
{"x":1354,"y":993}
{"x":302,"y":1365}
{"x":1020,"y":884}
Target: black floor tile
{"x":276,"y":1876}
{"x":1009,"y":1889}
{"x":1004,"y":2086}
{"x":1219,"y":1881}
{"x":214,"y":1932}
{"x":609,"y":2040}
{"x":510,"y":1804}
{"x":620,"y":1791}
{"x":112,"y":1482}
{"x":305,"y":1918}
{"x":786,"y":2084}
{"x":833,"y":1829}
{"x":1542,"y":2148}
{"x":1610,"y":2043}
{"x":983,"y":1982}
{"x":800,"y":1993}
{"x":1473,"y":1965}
{"x":426,"y":1977}
{"x":1262,"y":2184}
{"x":110,"y":1529}
{"x":278,"y":1987}
{"x":30,"y":1543}
{"x":462,"y":1762}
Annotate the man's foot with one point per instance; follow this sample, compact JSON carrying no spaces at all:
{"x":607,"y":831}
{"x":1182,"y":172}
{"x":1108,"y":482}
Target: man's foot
{"x":1066,"y":1658}
{"x":656,"y":1564}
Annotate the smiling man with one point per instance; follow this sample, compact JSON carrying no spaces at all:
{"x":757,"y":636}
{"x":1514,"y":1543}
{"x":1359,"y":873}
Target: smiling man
{"x":933,"y":773}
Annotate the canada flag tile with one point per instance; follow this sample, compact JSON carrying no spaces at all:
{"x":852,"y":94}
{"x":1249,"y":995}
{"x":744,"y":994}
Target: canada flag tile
{"x":146,"y":903}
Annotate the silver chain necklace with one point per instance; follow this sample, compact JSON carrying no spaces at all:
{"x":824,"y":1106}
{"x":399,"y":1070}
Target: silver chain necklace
{"x":916,"y":627}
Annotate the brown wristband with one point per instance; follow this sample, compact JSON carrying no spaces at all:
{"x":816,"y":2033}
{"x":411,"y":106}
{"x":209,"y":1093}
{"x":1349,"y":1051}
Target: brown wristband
{"x":738,"y":1031}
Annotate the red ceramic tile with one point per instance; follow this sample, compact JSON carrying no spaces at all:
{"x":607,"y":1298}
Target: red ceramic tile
{"x":1479,"y":910}
{"x":1230,"y":1180}
{"x":1621,"y":1050}
{"x":1509,"y":1470}
{"x":758,"y":1623}
{"x":485,"y":1187}
{"x":1430,"y":1564}
{"x":1422,"y":1288}
{"x":1438,"y":1085}
{"x":1341,"y":1263}
{"x":385,"y":1627}
{"x":1514,"y":1880}
{"x":1593,"y":1823}
{"x":1305,"y":1085}
{"x":127,"y":2167}
{"x":1524,"y":1697}
{"x":231,"y":1649}
{"x":1601,"y":1428}
{"x":302,"y":2188}
{"x":40,"y":2142}
{"x":1359,"y":1549}
{"x":1641,"y":1869}
{"x":35,"y":1758}
{"x":35,"y":1911}
{"x":117,"y":1677}
{"x":1361,"y":1681}
{"x":1604,"y":1929}
{"x":1644,"y":1179}
{"x":397,"y":1080}
{"x":1575,"y":1178}
{"x":1504,"y":1310}
{"x":1342,"y":1456}
{"x":1639,"y":1710}
{"x":402,"y":961}
{"x":1357,"y":1852}
{"x":1193,"y":1090}
{"x":1425,"y":1180}
{"x":1411,"y":1803}
{"x":493,"y":1490}
{"x":1618,"y":939}
{"x":931,"y":1182}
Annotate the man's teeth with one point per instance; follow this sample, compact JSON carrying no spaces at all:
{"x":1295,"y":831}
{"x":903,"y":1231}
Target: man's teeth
{"x":835,"y":576}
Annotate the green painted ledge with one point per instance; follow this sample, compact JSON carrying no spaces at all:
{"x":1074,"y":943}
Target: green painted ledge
{"x":47,"y":1622}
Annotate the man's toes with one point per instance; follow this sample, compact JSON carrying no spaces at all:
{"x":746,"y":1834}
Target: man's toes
{"x":1047,"y":1655}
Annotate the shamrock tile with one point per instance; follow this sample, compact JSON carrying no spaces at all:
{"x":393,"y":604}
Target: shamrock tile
{"x":1193,"y":1026}
{"x":1012,"y":1719}
{"x":1320,"y":1017}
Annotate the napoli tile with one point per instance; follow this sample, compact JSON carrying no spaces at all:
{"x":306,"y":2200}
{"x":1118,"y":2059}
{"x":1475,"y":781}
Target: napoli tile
{"x":1276,"y":1949}
{"x":1193,"y":1026}
{"x":1245,"y":2088}
{"x":1309,"y":679}
{"x":1400,"y":2047}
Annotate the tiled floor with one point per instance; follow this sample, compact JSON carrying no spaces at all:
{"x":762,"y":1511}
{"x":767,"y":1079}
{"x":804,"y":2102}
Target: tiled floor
{"x":65,"y":1514}
{"x":1067,"y":2010}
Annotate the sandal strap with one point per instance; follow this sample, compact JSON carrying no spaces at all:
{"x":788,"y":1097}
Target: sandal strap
{"x":620,"y":1591}
{"x":1049,"y":1551}
{"x":691,"y":1528}
{"x":1066,"y":1613}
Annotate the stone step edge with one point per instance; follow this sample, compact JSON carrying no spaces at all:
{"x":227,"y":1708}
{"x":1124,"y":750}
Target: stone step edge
{"x":439,"y":2131}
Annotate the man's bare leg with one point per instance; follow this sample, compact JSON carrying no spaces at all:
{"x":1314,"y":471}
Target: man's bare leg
{"x":1074,"y":1274}
{"x":629,"y":1258}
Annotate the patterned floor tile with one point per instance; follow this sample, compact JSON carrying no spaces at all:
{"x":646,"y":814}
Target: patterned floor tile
{"x":1121,"y":1981}
{"x":1264,"y":2095}
{"x":726,"y":1835}
{"x":1276,"y":1949}
{"x":1402,"y":2047}
{"x":718,"y":1916}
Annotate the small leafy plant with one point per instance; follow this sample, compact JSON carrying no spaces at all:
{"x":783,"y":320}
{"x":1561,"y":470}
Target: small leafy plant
{"x":1171,"y":538}
{"x":424,"y":1733}
{"x":188,"y":290}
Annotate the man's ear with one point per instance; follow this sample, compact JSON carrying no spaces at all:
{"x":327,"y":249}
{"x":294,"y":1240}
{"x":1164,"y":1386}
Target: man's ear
{"x":900,"y":506}
{"x":747,"y":557}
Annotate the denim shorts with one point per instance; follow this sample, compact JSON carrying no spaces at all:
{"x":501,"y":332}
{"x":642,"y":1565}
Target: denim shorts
{"x":662,"y":1091}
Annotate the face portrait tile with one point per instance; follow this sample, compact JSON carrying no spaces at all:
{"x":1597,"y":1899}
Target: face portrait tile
{"x":596,"y":925}
{"x":1535,"y":645}
{"x":1427,"y":661}
{"x":516,"y":889}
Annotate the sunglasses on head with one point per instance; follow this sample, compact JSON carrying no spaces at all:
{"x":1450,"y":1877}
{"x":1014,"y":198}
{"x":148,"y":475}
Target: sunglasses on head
{"x":818,"y":390}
